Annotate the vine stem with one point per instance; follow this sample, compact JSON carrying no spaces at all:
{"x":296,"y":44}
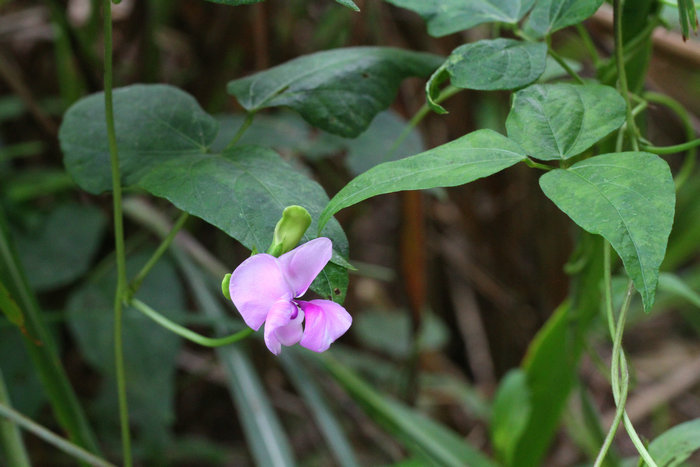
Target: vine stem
{"x":244,"y":126}
{"x":51,"y":438}
{"x":186,"y":333}
{"x":619,"y":373}
{"x":676,"y":107}
{"x":622,"y":74}
{"x":672,"y":149}
{"x":118,"y":238}
{"x":162,"y":248}
{"x":446,"y":93}
{"x":560,"y":60}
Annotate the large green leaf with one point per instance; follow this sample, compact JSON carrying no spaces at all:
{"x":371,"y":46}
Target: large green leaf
{"x":559,"y":121}
{"x":473,"y":156}
{"x":676,"y":445}
{"x":549,"y":16}
{"x":153,"y":123}
{"x":550,"y":372}
{"x":449,"y":16}
{"x":339,"y":90}
{"x":628,"y":198}
{"x":163,"y":137}
{"x":496,"y":64}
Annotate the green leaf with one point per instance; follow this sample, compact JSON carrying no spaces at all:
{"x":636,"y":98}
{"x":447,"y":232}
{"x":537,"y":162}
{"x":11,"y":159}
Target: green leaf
{"x":510,"y":415}
{"x":432,"y":89}
{"x":243,"y":191}
{"x":163,"y":138}
{"x":153,"y":123}
{"x":628,"y":198}
{"x":339,"y":90}
{"x":473,"y":156}
{"x":550,"y":369}
{"x":150,"y":351}
{"x":559,"y":121}
{"x":549,"y":16}
{"x":61,"y":250}
{"x":676,"y":445}
{"x":496,"y":64}
{"x":688,"y":17}
{"x":449,"y":16}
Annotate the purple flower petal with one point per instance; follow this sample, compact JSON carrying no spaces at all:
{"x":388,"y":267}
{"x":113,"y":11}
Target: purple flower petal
{"x":256,"y":284}
{"x":302,"y":264}
{"x":325,"y":322}
{"x":283,"y":326}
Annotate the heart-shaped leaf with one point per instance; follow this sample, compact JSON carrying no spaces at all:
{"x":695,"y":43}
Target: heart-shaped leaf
{"x":496,"y":64}
{"x":628,"y":198}
{"x":473,"y":156}
{"x":450,"y":16}
{"x":163,"y":137}
{"x":549,"y":16}
{"x":153,"y":123}
{"x":559,"y":121}
{"x":339,"y":90}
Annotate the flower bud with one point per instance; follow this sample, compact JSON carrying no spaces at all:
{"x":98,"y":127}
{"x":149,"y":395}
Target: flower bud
{"x":289,"y":230}
{"x":224,"y":286}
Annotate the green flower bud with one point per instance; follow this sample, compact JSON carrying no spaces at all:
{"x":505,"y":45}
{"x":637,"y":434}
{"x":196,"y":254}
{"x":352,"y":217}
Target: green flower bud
{"x":224,"y":286}
{"x":289,"y":230}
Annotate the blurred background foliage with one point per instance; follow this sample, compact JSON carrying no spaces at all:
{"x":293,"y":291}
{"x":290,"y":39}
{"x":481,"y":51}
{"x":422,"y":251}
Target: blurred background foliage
{"x":452,"y":285}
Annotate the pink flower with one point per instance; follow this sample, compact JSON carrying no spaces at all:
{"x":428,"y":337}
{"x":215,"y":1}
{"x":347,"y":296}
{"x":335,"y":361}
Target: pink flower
{"x":265,"y":289}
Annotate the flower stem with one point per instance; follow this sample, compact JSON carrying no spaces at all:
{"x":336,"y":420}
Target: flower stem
{"x":162,"y":248}
{"x":118,"y":237}
{"x":632,"y":130}
{"x":186,"y":333}
{"x":51,"y":438}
